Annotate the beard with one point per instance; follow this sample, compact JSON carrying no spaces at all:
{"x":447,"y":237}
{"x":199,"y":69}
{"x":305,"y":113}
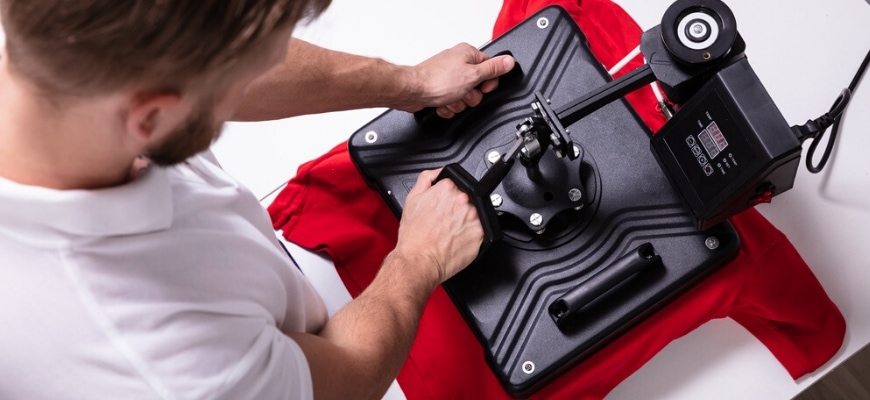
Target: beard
{"x":195,"y":135}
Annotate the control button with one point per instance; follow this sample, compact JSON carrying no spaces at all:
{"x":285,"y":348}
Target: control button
{"x":708,"y":169}
{"x":696,"y":150}
{"x":690,"y":140}
{"x":702,"y":160}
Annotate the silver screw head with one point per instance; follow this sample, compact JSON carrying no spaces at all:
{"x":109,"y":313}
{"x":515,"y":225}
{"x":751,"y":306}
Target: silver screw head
{"x":697,"y":29}
{"x":528,"y":367}
{"x":554,"y":138}
{"x":543,"y":23}
{"x":371,"y":136}
{"x":575,"y":194}
{"x":536,"y":219}
{"x":496,"y":200}
{"x":712,"y":243}
{"x":493,"y":156}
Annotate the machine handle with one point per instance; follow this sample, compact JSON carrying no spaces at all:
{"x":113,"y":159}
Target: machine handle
{"x":428,"y":118}
{"x":485,"y":211}
{"x":566,"y":307}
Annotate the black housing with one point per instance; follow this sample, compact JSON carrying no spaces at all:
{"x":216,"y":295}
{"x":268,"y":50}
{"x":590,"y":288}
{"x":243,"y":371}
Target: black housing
{"x":506,"y":295}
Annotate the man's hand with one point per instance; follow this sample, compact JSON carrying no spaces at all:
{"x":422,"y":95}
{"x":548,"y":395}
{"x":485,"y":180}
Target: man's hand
{"x":439,"y":226}
{"x":315,"y":80}
{"x":362,"y":347}
{"x":455,"y":79}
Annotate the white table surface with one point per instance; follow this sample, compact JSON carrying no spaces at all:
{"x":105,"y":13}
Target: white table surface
{"x":804,"y":51}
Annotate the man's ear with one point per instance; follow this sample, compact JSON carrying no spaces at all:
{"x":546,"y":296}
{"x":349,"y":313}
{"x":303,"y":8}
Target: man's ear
{"x":152,"y":113}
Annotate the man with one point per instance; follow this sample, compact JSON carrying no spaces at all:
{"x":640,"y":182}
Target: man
{"x":124,"y":280}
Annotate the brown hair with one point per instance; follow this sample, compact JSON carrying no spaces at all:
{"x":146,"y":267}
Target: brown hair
{"x":85,"y":47}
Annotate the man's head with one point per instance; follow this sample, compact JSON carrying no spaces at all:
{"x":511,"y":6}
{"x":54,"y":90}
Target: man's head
{"x":75,"y":50}
{"x":83,"y":47}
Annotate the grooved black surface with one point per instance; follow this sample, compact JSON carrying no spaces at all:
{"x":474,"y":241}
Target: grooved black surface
{"x":505,"y":296}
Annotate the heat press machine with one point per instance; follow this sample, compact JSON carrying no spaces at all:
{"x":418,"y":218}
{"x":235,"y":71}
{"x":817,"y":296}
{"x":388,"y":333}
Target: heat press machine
{"x":592,"y":222}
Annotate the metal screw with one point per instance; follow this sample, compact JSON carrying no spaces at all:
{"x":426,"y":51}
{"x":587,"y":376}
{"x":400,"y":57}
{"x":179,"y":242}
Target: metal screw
{"x":496,"y":200}
{"x":371,"y":136}
{"x":698,"y":30}
{"x":543,"y":23}
{"x":528,"y":367}
{"x":712,"y":243}
{"x":493,"y":156}
{"x":575,"y":194}
{"x":536,"y":219}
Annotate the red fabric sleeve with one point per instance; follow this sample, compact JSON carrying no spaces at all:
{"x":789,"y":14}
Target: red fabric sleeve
{"x":328,"y":208}
{"x":768,"y":289}
{"x":781,"y":302}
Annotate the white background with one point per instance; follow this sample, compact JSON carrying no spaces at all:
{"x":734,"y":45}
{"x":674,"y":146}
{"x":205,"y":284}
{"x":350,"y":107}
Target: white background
{"x":804,"y":51}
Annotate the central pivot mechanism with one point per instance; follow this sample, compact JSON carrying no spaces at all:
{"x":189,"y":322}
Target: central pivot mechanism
{"x":542,"y":186}
{"x":545,"y":183}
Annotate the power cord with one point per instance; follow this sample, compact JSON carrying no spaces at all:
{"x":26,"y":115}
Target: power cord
{"x":815,"y":129}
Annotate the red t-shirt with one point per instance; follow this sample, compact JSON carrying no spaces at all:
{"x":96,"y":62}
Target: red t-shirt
{"x":768,"y":289}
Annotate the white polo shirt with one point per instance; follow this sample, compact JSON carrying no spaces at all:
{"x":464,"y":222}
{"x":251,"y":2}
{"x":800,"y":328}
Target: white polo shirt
{"x":173,"y":286}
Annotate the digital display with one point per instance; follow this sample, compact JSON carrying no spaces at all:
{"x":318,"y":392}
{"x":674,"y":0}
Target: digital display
{"x":718,"y":137}
{"x":709,"y":144}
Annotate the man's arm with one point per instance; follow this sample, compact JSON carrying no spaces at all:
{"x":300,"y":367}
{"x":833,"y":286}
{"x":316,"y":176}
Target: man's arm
{"x":312,"y":79}
{"x":361,"y":349}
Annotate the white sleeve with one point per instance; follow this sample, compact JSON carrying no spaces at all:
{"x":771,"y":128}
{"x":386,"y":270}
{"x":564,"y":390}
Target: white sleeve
{"x":273,"y":368}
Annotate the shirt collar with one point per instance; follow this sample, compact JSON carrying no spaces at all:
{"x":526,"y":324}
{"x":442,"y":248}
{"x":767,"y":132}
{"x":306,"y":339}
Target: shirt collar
{"x":42,"y":215}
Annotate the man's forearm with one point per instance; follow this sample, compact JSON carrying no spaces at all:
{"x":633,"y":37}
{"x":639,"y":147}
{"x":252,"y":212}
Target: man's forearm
{"x":365,"y":344}
{"x":314,"y":80}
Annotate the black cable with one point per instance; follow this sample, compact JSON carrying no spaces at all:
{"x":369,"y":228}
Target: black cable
{"x":823,"y":122}
{"x":815,"y":129}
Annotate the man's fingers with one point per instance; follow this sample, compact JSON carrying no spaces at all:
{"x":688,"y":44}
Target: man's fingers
{"x":425,"y":180}
{"x":495,"y":67}
{"x":457,"y":107}
{"x":479,"y":75}
{"x":443,"y":112}
{"x":488,"y":86}
{"x":473,"y":98}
